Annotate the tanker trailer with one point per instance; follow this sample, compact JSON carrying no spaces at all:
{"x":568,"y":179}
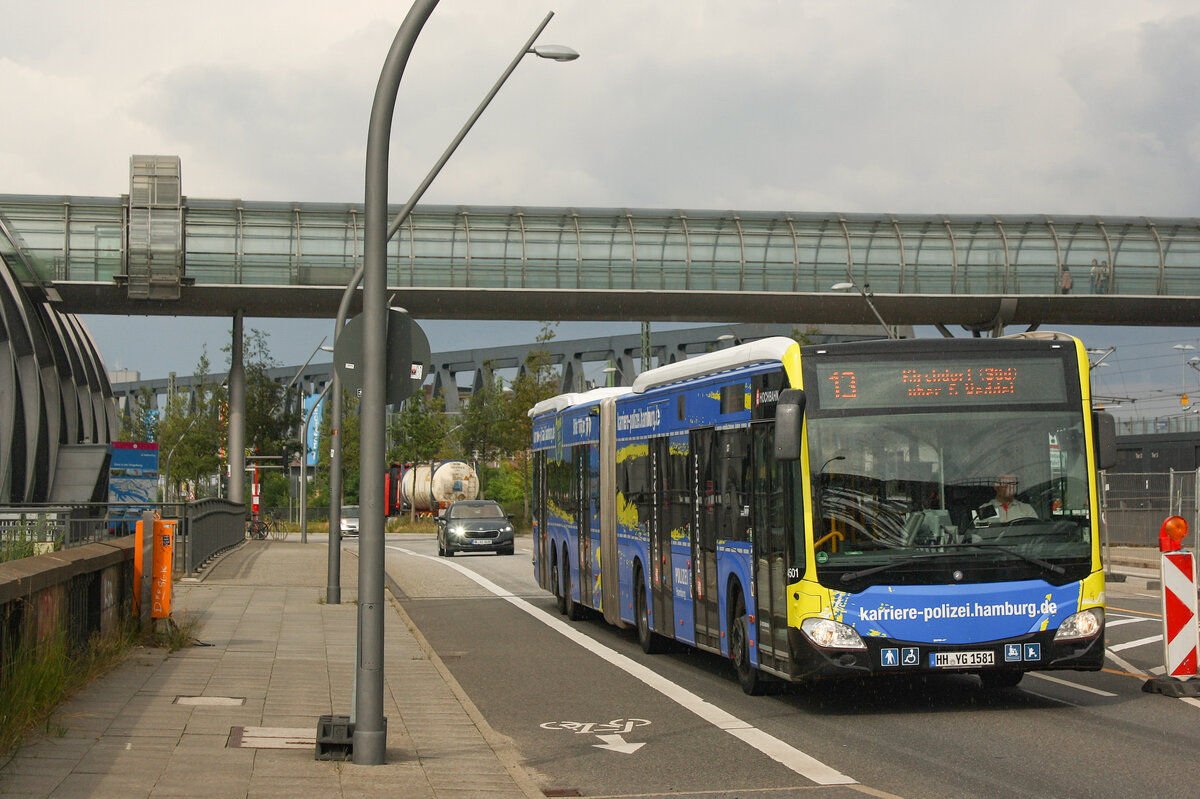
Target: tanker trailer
{"x":424,"y":488}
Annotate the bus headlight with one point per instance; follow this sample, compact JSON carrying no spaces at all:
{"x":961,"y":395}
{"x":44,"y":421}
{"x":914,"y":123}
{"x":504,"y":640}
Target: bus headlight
{"x":1084,"y":624}
{"x":829,"y":634}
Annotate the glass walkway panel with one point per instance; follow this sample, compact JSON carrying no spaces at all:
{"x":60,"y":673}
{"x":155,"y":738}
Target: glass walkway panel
{"x":233,"y":243}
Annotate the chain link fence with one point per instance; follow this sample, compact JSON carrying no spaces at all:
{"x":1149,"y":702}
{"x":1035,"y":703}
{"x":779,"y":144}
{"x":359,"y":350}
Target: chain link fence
{"x":1133,"y":505}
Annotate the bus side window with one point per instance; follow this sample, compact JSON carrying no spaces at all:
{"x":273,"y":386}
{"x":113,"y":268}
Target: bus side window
{"x":734,"y":490}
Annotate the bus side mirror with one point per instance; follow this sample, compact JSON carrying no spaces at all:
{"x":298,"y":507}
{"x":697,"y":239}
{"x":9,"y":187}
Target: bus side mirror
{"x":1104,"y":428}
{"x":789,"y":416}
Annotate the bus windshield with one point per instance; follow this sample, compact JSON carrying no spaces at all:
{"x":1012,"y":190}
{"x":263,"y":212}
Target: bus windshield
{"x":966,"y":494}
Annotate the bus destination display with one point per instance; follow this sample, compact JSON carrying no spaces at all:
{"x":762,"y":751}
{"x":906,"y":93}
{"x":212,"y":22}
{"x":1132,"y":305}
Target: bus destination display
{"x":1008,"y":381}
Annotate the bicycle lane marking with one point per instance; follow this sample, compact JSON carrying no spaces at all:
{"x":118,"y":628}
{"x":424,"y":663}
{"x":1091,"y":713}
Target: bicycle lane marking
{"x":803,"y":764}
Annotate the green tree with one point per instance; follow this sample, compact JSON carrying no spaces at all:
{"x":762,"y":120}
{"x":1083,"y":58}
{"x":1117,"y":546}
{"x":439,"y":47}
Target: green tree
{"x":484,"y":422}
{"x":419,"y":430}
{"x":139,"y":421}
{"x":270,"y":419}
{"x":538,"y":380}
{"x":192,"y":433}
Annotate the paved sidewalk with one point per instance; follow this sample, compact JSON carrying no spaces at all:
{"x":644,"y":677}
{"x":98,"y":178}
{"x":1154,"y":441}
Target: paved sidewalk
{"x":277,"y":658}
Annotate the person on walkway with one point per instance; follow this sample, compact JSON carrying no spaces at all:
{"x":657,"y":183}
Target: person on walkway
{"x":1064,"y":281}
{"x":1097,"y":276}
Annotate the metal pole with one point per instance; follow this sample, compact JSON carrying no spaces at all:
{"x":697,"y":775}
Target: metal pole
{"x":333,"y":589}
{"x":237,"y":416}
{"x":370,"y":733}
{"x":369,"y":730}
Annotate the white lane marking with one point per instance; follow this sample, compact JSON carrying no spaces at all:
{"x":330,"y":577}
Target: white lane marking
{"x":1117,"y":622}
{"x":1069,"y":684}
{"x":1125,"y":664}
{"x":1139,"y":642}
{"x":805,"y":765}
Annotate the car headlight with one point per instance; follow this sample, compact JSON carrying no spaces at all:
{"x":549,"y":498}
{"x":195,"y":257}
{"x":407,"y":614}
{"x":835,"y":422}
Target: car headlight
{"x":458,"y":530}
{"x":508,"y":528}
{"x":829,"y":634}
{"x":1084,"y":624}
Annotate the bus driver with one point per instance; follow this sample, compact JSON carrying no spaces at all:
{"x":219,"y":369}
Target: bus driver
{"x":1004,"y":507}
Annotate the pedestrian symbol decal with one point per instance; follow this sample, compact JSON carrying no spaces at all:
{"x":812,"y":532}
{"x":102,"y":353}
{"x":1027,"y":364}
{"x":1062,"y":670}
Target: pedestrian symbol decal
{"x":889,"y":657}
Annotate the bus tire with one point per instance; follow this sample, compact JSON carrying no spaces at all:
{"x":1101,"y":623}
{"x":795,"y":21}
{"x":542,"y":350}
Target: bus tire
{"x":1000,"y":678}
{"x":651,"y":642}
{"x":749,"y":677}
{"x":570,"y":607}
{"x":556,"y":582}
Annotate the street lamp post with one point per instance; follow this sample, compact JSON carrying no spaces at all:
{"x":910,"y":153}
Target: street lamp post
{"x":1183,"y":350}
{"x":369,"y":741}
{"x":866,"y":295}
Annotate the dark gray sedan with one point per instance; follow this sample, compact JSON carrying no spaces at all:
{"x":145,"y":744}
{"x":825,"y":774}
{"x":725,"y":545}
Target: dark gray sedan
{"x":474,"y":525}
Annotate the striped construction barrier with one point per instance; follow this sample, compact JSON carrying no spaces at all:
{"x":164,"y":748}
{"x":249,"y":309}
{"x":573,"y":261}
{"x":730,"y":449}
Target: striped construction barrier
{"x":1181,"y":635}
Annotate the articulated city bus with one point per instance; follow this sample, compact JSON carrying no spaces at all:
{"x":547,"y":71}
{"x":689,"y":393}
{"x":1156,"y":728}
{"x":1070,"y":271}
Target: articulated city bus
{"x":880,"y":507}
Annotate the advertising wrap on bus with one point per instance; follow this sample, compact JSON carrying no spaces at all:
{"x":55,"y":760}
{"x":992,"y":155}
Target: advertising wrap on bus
{"x":963,"y":614}
{"x":833,"y":510}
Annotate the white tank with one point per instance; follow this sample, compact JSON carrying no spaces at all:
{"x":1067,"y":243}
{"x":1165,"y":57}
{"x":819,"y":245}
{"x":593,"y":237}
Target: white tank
{"x":450,"y":482}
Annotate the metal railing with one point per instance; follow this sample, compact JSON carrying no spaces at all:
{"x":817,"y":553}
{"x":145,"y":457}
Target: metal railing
{"x":210,"y":527}
{"x":1133,"y":505}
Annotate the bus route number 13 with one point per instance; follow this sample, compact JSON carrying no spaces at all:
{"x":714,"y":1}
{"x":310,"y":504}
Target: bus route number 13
{"x":845,"y":384}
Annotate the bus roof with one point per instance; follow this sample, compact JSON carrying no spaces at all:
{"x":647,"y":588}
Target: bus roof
{"x":564,"y":401}
{"x":761,"y":351}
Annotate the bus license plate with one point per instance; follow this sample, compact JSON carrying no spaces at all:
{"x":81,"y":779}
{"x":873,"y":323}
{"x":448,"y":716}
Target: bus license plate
{"x":957,"y":660}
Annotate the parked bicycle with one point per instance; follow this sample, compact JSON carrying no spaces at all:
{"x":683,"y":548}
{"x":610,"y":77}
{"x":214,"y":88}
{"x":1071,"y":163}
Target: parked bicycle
{"x":277,"y":530}
{"x":258,"y":529}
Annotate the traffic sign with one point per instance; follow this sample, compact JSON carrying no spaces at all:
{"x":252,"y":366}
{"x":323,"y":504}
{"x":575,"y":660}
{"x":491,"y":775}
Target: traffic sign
{"x":408,"y":356}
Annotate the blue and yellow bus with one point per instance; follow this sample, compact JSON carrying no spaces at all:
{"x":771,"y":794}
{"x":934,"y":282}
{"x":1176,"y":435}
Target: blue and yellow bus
{"x":879,"y":507}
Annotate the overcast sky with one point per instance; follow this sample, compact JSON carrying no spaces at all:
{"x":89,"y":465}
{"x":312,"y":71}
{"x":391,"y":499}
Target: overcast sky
{"x":778,"y":105}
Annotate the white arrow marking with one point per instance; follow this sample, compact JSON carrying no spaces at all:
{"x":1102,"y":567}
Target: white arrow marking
{"x":617,"y":743}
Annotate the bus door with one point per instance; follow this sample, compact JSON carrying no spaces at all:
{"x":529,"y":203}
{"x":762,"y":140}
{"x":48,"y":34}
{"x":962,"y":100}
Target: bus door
{"x":702,"y":447}
{"x":661,"y":575}
{"x":590,"y":590}
{"x":771,"y":525}
{"x":584,"y":455}
{"x":678,"y":486}
{"x":541,"y":562}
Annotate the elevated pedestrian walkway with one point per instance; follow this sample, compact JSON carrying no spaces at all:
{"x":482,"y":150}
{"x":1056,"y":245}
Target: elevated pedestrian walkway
{"x":238,"y":715}
{"x":205,"y":257}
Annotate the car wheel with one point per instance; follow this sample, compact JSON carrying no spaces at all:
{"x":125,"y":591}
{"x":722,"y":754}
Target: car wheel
{"x":508,"y":550}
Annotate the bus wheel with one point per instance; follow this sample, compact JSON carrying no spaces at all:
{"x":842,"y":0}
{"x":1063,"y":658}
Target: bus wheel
{"x":652,"y":642}
{"x":751,"y":680}
{"x":556,"y":583}
{"x":574,"y":612}
{"x":1001,"y":678}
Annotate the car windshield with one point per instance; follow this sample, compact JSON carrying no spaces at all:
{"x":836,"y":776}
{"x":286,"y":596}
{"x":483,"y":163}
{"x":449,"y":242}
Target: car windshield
{"x":909,"y":498}
{"x":489,"y":511}
{"x":350,"y":512}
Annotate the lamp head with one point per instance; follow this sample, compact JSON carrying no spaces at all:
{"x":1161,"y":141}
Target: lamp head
{"x":555,"y":52}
